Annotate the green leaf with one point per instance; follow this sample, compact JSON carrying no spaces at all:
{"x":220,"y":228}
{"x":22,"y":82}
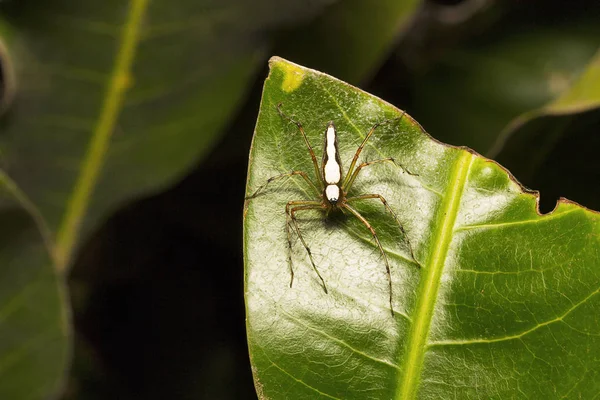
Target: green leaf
{"x":554,"y":147}
{"x":583,"y":95}
{"x":506,"y":302}
{"x":102,"y":116}
{"x":33,"y":316}
{"x":112,"y":100}
{"x":477,"y":89}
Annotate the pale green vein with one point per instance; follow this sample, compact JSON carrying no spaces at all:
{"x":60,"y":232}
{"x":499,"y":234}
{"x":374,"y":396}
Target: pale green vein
{"x":203,"y":24}
{"x":542,"y":218}
{"x":85,"y":25}
{"x":31,"y":208}
{"x":92,"y":162}
{"x":63,"y":122}
{"x":24,"y":347}
{"x":17,"y":300}
{"x":342,"y":343}
{"x":331,"y":337}
{"x":560,"y":318}
{"x":390,"y":252}
{"x":492,"y":273}
{"x":296,"y":379}
{"x":575,"y":385}
{"x":74,"y":73}
{"x":429,"y":286}
{"x":166,"y":88}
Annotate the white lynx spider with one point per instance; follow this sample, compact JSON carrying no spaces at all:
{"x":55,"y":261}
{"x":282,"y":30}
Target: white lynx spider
{"x":331,"y":192}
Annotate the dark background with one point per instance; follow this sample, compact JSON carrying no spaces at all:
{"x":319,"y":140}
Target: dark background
{"x":158,"y":291}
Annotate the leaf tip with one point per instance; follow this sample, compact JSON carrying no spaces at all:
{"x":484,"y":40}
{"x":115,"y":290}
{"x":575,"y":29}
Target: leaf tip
{"x":293,"y":74}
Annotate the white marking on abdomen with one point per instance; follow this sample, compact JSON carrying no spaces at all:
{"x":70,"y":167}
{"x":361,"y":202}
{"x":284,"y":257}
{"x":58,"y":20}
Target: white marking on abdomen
{"x":333,"y":193}
{"x":332,"y":168}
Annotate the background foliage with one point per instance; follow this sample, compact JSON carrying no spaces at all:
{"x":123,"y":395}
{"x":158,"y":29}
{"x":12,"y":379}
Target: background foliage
{"x":124,"y":143}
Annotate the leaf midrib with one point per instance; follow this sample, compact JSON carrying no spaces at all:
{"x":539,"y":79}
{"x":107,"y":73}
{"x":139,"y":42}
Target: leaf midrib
{"x":429,"y":287}
{"x":93,"y":160}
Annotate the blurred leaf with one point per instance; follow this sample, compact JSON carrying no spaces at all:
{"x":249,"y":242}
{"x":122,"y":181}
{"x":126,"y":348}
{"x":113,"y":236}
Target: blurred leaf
{"x":140,"y":94}
{"x":470,"y":96}
{"x":114,"y":99}
{"x":506,"y":302}
{"x":352,"y":38}
{"x":554,"y":148}
{"x":583,"y":95}
{"x":34,"y":316}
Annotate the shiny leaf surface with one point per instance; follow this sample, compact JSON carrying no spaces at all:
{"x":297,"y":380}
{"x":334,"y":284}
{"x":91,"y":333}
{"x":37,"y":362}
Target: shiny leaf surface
{"x":505,"y":304}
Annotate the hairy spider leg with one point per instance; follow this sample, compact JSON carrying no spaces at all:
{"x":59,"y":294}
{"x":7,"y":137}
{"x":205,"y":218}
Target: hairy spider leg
{"x":289,"y":239}
{"x":388,"y":208}
{"x":387,"y":265}
{"x":288,"y":225}
{"x":361,"y":166}
{"x":313,"y":156}
{"x":291,"y":208}
{"x":366,"y":164}
{"x":288,"y":174}
{"x":362,"y":145}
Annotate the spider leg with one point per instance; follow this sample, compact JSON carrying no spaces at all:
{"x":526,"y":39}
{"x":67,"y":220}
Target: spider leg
{"x":291,"y":209}
{"x":288,"y":174}
{"x":288,"y":225}
{"x":370,"y":228}
{"x":362,"y":145}
{"x":310,"y":149}
{"x":388,"y":208}
{"x":366,"y":164}
{"x":289,"y":239}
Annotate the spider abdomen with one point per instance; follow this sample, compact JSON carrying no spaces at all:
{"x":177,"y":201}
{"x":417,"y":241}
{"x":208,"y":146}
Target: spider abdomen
{"x":332,"y":168}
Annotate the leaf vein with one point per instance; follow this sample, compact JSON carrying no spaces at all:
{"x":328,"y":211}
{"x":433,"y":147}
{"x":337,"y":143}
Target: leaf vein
{"x":428,"y":289}
{"x":325,"y":334}
{"x":33,"y":211}
{"x":93,"y":160}
{"x":522,"y":222}
{"x":517,"y":335}
{"x":297,"y":379}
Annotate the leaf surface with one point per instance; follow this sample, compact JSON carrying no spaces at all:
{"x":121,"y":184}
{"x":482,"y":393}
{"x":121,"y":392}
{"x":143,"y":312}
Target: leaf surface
{"x":505,"y":304}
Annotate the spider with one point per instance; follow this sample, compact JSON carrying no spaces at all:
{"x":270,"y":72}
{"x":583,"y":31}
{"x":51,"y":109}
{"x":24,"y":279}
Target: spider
{"x":331,"y":193}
